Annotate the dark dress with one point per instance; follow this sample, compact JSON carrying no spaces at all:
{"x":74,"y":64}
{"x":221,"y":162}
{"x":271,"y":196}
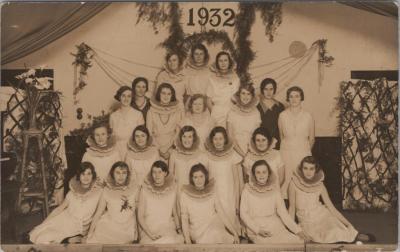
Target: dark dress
{"x":144,"y":109}
{"x":269,"y":119}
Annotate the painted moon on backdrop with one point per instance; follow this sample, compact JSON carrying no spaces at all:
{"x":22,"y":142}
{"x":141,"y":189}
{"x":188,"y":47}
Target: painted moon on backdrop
{"x":297,"y":49}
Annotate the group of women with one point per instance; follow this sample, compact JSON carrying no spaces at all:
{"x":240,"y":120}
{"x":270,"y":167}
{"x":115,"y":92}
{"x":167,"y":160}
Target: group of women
{"x":203,"y":160}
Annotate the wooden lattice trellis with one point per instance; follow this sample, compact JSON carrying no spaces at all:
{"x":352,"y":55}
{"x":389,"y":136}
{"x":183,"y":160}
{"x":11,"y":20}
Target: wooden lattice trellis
{"x":369,"y":123}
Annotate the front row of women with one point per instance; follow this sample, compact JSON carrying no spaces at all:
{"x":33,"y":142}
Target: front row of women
{"x":90,"y":214}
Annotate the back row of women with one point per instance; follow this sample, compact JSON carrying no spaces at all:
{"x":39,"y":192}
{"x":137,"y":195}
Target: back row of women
{"x":209,"y":158}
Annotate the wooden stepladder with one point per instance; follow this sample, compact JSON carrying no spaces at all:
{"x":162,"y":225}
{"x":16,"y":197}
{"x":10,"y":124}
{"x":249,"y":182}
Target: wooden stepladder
{"x":29,"y":135}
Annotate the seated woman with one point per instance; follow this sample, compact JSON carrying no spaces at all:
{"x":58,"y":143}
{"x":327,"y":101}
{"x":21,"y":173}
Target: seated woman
{"x":203,"y":220}
{"x":73,"y":216}
{"x":263,"y":211}
{"x":322,"y":222}
{"x":102,"y":151}
{"x":115,"y":219}
{"x":141,"y":153}
{"x":157,"y":207}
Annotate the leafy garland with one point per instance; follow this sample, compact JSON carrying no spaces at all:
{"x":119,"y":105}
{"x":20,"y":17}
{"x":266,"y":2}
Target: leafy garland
{"x":324,"y":58}
{"x":176,"y":36}
{"x":271,"y":14}
{"x":82,"y":61}
{"x":153,"y":12}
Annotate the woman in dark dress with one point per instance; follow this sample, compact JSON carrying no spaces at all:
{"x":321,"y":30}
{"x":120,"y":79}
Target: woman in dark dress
{"x":270,"y":109}
{"x":140,"y":102}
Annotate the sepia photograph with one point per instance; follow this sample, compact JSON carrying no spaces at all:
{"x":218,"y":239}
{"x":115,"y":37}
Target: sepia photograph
{"x":199,"y":126}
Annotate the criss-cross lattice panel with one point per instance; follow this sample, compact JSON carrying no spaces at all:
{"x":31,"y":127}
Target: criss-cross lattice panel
{"x":49,"y":121}
{"x":369,"y":123}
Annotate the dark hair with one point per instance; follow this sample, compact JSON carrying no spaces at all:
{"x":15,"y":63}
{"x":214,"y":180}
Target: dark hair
{"x":221,"y":54}
{"x":170,"y":87}
{"x":170,"y":54}
{"x":195,"y":97}
{"x":295,"y":89}
{"x":142,"y":128}
{"x":136,"y":81}
{"x":264,"y":132}
{"x":83,"y":167}
{"x":267,"y":81}
{"x":160,"y":164}
{"x":218,"y":129}
{"x":310,"y":160}
{"x":198,"y":167}
{"x":100,"y":124}
{"x":188,"y":128}
{"x":202,"y":48}
{"x":247,"y":87}
{"x":120,"y":91}
{"x":259,"y":163}
{"x":120,"y":164}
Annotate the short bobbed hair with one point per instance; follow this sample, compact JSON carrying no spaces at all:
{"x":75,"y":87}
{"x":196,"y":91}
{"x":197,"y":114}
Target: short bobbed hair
{"x":170,"y":54}
{"x":83,"y":167}
{"x":188,"y":128}
{"x":122,"y":165}
{"x":267,"y":81}
{"x":219,"y":129}
{"x":165,"y":85}
{"x":310,"y":160}
{"x":120,"y":91}
{"x":201,"y":47}
{"x":136,"y":81}
{"x":248,"y":87}
{"x":196,"y":168}
{"x":143,"y":129}
{"x":264,"y":132}
{"x":259,"y":163}
{"x":194,"y":98}
{"x":219,"y":55}
{"x":295,"y":89}
{"x":160,"y":164}
{"x":100,"y":124}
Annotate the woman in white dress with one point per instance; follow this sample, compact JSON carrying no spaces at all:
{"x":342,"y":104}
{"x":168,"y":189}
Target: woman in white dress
{"x":322,"y":222}
{"x":141,"y":153}
{"x":102,"y":151}
{"x":243,"y":118}
{"x":71,"y":218}
{"x":203,"y":220}
{"x":224,"y":166}
{"x":296,"y":130}
{"x":125,"y":119}
{"x":198,"y":117}
{"x":224,"y":82}
{"x":263,"y":211}
{"x":140,"y":86}
{"x":173,"y":74}
{"x":163,"y":118}
{"x":157,"y":215}
{"x":197,"y":70}
{"x":115,"y":219}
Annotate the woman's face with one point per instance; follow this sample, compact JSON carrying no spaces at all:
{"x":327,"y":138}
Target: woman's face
{"x":126,"y":98}
{"x":268,"y":91}
{"x":309,"y":170}
{"x":158,"y":175}
{"x":173,"y":62}
{"x":198,"y":106}
{"x":261,"y":142}
{"x":86,"y":178}
{"x":140,"y":89}
{"x":100,"y":136}
{"x":120,"y":175}
{"x":140,"y":138}
{"x":199,"y":56}
{"x":165,"y":96}
{"x":223,"y":62}
{"x":245,"y":96}
{"x":219,"y":141}
{"x":295,"y":99}
{"x":261,"y":174}
{"x":187,"y":139}
{"x":199,"y":179}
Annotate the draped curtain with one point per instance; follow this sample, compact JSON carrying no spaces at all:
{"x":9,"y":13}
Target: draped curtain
{"x":27,"y":27}
{"x":388,"y":9}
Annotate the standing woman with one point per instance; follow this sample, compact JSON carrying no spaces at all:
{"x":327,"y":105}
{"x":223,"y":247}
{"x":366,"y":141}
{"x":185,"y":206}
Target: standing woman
{"x":296,"y":128}
{"x":173,"y":74}
{"x":140,"y":102}
{"x":157,"y":207}
{"x":115,"y":219}
{"x":270,"y":108}
{"x":223,"y":84}
{"x":198,"y":117}
{"x":73,"y":216}
{"x":197,"y":70}
{"x":224,"y":168}
{"x":125,"y":119}
{"x":141,"y":153}
{"x":163,"y":118}
{"x":203,"y":220}
{"x":243,"y":118}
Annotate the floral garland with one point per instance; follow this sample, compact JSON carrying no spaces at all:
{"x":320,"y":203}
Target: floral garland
{"x":82,"y":61}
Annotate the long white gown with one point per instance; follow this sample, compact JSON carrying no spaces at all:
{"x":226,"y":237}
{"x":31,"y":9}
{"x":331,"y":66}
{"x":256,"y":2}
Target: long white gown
{"x":72,"y":221}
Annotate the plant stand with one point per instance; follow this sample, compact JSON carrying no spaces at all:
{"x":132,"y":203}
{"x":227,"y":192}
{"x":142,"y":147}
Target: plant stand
{"x":43,"y":195}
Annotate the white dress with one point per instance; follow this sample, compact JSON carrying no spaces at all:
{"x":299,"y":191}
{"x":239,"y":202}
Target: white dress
{"x":72,"y":221}
{"x":260,"y":208}
{"x":203,"y":127}
{"x":200,"y":209}
{"x":118,"y":224}
{"x":178,"y":81}
{"x":123,"y":126}
{"x":220,"y":91}
{"x":198,"y":79}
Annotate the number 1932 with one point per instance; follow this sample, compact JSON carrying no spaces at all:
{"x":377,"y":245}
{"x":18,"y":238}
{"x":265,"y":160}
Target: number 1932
{"x":213,"y":16}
